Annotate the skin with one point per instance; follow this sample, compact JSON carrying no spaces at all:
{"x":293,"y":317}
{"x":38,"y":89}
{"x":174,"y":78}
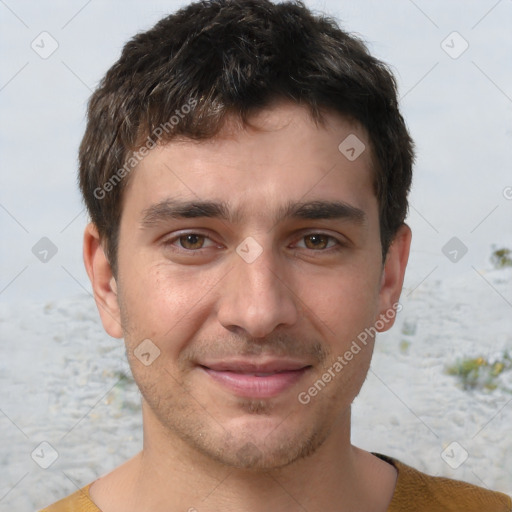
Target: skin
{"x":316,"y":285}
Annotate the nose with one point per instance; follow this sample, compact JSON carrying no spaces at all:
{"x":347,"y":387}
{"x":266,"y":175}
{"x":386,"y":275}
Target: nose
{"x":257,"y":296}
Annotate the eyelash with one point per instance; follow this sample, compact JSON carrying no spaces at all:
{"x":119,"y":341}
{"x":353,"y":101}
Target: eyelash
{"x":176,"y":238}
{"x":338,"y":244}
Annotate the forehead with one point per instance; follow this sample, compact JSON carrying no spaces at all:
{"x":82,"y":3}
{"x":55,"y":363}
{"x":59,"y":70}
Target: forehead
{"x":282,"y":156}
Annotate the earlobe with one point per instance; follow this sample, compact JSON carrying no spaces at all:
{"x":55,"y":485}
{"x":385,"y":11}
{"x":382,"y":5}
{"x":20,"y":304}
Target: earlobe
{"x":103,"y":282}
{"x":393,"y":276}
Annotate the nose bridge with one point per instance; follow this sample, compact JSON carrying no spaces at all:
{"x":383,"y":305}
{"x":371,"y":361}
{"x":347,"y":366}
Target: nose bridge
{"x":256,"y":298}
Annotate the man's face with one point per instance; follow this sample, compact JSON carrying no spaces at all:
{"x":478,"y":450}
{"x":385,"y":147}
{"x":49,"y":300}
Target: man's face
{"x":252,"y":261}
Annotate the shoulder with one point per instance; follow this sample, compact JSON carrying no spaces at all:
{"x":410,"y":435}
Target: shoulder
{"x":427,"y":493}
{"x":79,"y":501}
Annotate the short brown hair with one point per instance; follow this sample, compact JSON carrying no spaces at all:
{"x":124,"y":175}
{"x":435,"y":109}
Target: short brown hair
{"x":218,"y":58}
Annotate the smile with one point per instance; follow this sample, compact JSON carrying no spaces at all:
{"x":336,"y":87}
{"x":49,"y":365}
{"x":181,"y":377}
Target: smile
{"x":256,"y":381}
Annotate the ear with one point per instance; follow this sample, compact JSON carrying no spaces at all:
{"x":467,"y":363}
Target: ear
{"x":393,"y":277}
{"x":103,"y":282}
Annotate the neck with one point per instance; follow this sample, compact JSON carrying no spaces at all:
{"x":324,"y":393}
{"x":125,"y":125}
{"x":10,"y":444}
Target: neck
{"x":169,"y":474}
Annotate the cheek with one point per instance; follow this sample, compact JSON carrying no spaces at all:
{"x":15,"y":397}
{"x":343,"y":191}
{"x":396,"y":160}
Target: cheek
{"x":165,"y":305}
{"x":345,"y":303}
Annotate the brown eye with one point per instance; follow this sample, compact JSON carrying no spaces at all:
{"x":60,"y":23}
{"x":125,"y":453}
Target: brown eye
{"x":316,"y":241}
{"x":192,"y":241}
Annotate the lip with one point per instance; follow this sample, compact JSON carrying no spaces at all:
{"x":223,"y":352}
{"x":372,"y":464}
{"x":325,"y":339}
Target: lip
{"x":256,"y":379}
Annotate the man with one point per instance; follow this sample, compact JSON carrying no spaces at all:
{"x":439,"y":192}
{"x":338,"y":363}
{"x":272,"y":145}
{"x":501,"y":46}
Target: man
{"x":246,"y":169}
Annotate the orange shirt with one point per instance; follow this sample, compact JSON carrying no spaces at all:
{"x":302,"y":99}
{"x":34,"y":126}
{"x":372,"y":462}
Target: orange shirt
{"x":414,"y":491}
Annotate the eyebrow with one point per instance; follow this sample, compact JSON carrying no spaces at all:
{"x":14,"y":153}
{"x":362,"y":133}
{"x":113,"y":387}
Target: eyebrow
{"x":315,"y":210}
{"x":311,"y":210}
{"x":177,"y":209}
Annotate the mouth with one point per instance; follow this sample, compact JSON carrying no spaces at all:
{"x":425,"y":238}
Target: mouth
{"x":256,"y":380}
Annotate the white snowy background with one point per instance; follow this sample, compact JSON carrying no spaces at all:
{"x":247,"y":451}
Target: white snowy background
{"x":61,"y":376}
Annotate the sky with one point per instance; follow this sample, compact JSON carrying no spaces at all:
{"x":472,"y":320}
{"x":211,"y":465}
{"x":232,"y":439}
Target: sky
{"x":453,"y":66}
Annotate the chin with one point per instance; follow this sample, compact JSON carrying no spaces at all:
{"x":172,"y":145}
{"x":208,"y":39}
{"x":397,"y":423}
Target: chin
{"x":260,"y":446}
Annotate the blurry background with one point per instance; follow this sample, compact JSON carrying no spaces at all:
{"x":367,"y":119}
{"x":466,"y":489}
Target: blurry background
{"x":459,"y":111}
{"x":452,"y":62}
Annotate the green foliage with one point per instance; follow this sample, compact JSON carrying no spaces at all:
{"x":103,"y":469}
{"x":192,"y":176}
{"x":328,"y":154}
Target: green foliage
{"x":501,"y":258}
{"x":409,"y":328}
{"x":123,"y":378}
{"x":121,"y":395}
{"x":479,"y":373}
{"x":404,"y":346}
